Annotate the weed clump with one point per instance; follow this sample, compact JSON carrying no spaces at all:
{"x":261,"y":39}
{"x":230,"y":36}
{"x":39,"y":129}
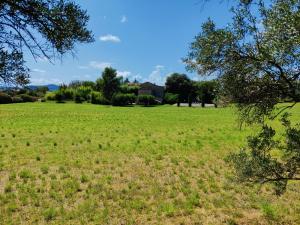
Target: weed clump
{"x":50,"y":214}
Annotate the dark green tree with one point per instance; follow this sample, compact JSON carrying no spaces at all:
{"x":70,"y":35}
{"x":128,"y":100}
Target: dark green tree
{"x":179,"y":84}
{"x":109,"y":83}
{"x":257,"y":61}
{"x":47,"y":28}
{"x":206,"y":91}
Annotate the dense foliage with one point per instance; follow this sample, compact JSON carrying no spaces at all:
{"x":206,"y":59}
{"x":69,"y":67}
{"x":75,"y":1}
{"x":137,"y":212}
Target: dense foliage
{"x":207,"y":92}
{"x":123,"y":99}
{"x":170,"y":98}
{"x":97,"y":98}
{"x":257,"y":61}
{"x":5,"y":98}
{"x":146,"y":100}
{"x":109,"y":83}
{"x":47,"y":28}
{"x":181,"y":85}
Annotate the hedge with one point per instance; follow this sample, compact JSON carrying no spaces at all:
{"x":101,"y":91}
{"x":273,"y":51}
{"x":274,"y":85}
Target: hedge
{"x":97,"y":98}
{"x":146,"y":100}
{"x":28,"y":98}
{"x":5,"y":98}
{"x":123,"y":99}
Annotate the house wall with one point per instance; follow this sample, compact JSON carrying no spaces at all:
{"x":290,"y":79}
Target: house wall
{"x":152,"y":89}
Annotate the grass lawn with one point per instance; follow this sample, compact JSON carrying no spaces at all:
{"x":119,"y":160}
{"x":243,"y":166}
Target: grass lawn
{"x":89,"y":164}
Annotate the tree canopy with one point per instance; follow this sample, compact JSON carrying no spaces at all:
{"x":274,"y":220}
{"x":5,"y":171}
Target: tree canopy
{"x":109,"y":83}
{"x":257,"y":60}
{"x":47,"y":28}
{"x":206,"y":90}
{"x":179,"y":84}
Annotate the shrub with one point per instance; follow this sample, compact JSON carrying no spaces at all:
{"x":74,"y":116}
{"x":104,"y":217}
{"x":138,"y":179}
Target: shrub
{"x":84,"y":92}
{"x":78,"y":98}
{"x":5,"y":98}
{"x":28,"y":98}
{"x":59,"y":96}
{"x":50,"y":214}
{"x":68,"y":93}
{"x":269,"y":211}
{"x":171,"y":98}
{"x":123,"y":99}
{"x":17,"y":99}
{"x":97,"y":98}
{"x":126,"y":89}
{"x":50,"y":96}
{"x":146,"y":100}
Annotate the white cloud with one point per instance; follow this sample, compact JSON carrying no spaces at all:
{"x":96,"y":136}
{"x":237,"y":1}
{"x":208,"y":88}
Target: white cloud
{"x":110,"y":38}
{"x":137,"y":77}
{"x":83,"y":67}
{"x":99,"y":65}
{"x":124,"y":74}
{"x":156,"y":75}
{"x":124,"y":19}
{"x":38,"y":71}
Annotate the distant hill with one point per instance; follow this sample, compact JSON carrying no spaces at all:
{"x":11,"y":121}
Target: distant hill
{"x":51,"y":87}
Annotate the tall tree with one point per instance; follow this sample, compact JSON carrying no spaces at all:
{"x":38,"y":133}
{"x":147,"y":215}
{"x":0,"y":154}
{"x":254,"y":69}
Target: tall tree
{"x":207,"y":91}
{"x":179,"y":84}
{"x":109,"y":83}
{"x":47,"y":28}
{"x":257,"y":60}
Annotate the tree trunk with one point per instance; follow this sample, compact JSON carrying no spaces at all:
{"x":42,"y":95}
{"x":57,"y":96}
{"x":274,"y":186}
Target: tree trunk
{"x":178,"y":104}
{"x":190,"y":101}
{"x":202,"y":104}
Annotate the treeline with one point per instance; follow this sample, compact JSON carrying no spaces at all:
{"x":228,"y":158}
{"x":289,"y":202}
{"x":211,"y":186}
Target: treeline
{"x":110,"y":89}
{"x":23,"y":95}
{"x":181,"y":89}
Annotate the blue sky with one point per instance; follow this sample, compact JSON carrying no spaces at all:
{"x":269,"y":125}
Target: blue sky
{"x":143,"y":39}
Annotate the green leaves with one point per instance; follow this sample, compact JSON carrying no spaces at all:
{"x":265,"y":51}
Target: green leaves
{"x":255,"y":57}
{"x":47,"y":28}
{"x":262,"y":163}
{"x":109,"y":83}
{"x":12,"y":69}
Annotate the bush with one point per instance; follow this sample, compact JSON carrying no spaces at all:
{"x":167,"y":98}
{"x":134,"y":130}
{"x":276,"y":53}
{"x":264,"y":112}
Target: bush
{"x":84,"y":92}
{"x":123,"y":99}
{"x":28,"y":98}
{"x":126,"y":89}
{"x":97,"y":98}
{"x":78,"y":98}
{"x":17,"y":99}
{"x":50,"y":96}
{"x":5,"y":98}
{"x":171,"y":98}
{"x":68,"y":93}
{"x":146,"y":100}
{"x":59,"y":96}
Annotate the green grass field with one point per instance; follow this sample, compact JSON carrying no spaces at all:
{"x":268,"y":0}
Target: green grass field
{"x":88,"y":164}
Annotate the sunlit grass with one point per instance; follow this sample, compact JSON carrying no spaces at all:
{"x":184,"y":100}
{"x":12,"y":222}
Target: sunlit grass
{"x":87,"y":164}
